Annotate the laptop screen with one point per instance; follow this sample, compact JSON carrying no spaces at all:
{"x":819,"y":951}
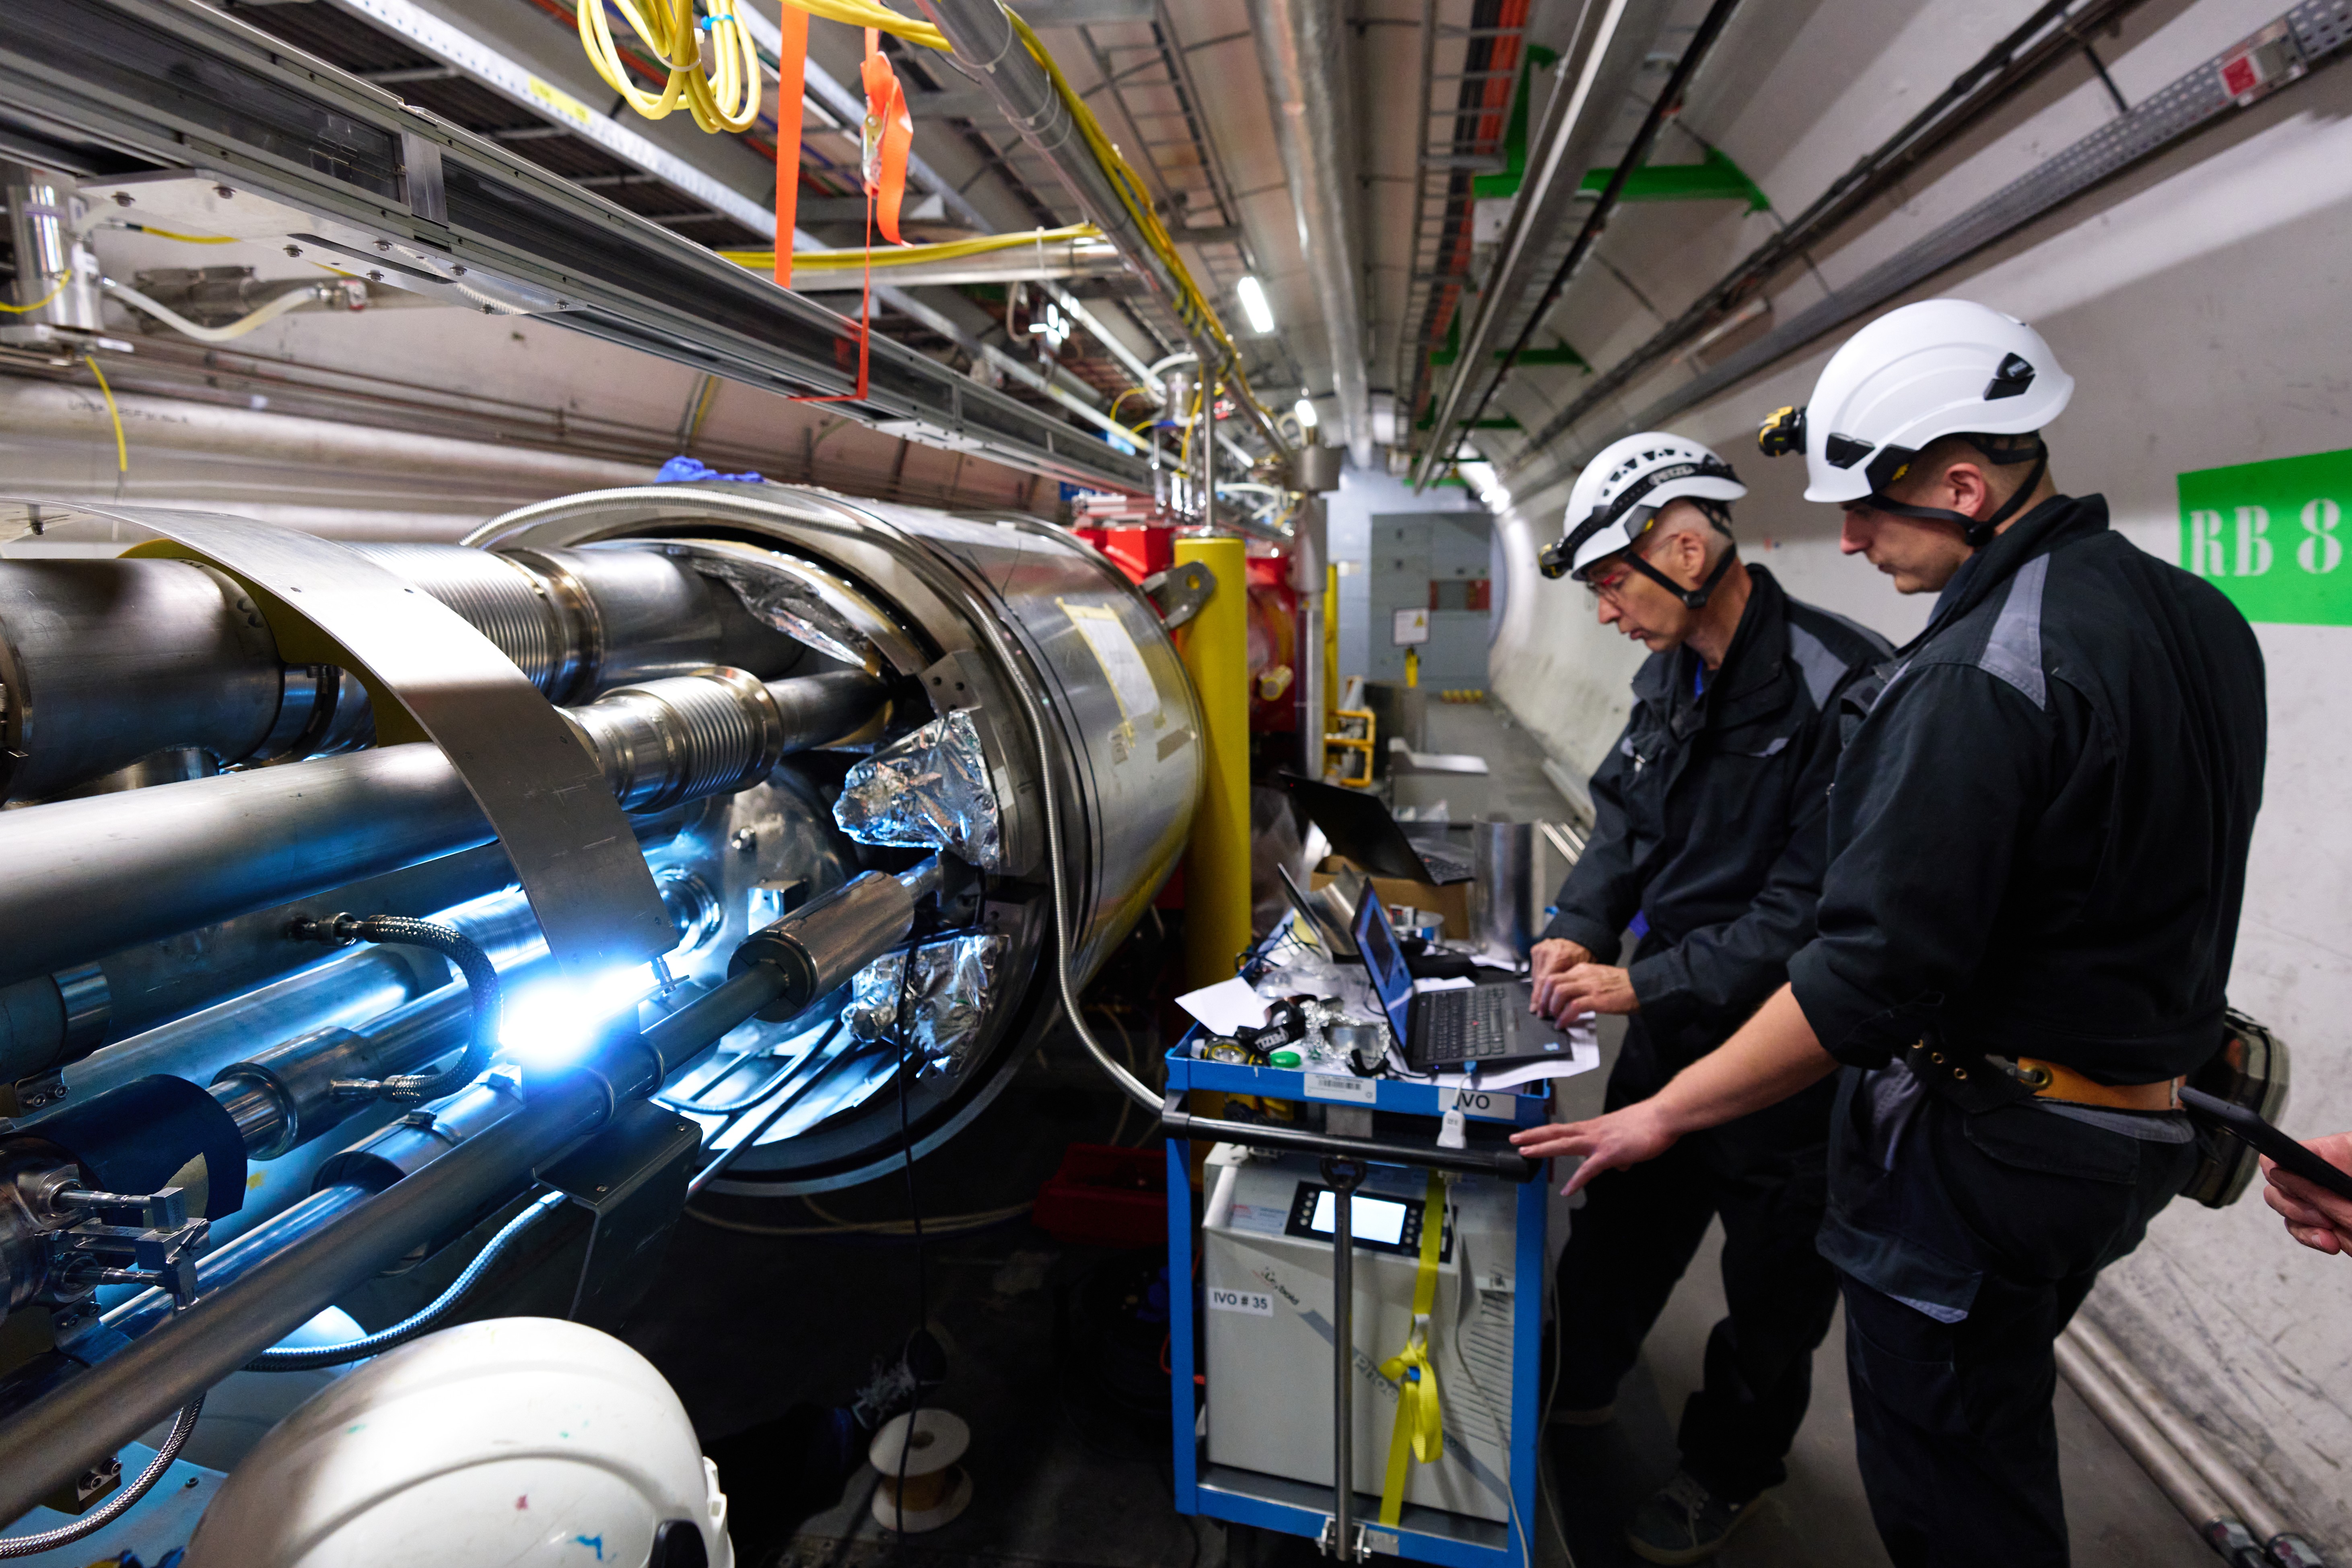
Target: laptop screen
{"x":1376,"y":940}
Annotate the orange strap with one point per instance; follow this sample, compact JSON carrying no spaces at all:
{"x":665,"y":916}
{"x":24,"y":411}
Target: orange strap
{"x":791,"y":73}
{"x":889,"y":133}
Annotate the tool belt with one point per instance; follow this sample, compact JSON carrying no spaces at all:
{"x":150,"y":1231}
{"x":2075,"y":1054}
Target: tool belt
{"x":1978,"y":1082}
{"x":2050,"y":1080}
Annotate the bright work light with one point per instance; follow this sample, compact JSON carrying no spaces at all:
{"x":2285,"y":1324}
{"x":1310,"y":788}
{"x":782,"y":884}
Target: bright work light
{"x":1254,"y":305}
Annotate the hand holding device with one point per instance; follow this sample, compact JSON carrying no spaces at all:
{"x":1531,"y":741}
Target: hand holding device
{"x":2313,"y":1194}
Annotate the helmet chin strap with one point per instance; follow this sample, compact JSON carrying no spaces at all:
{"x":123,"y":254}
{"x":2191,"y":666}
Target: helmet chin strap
{"x":1696,"y":599}
{"x":1977,"y":532}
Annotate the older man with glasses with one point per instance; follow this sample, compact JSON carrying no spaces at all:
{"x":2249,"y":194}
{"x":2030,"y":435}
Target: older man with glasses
{"x":1708,"y":846}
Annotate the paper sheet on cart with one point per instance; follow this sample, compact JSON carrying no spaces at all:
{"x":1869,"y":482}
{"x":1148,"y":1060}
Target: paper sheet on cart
{"x":1583,"y":1056}
{"x":1225,"y":1007}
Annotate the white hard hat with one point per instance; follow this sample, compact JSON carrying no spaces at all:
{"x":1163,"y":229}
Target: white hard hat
{"x":1617,"y":500}
{"x":1619,"y":494}
{"x":515,"y":1441}
{"x":1941,"y":367}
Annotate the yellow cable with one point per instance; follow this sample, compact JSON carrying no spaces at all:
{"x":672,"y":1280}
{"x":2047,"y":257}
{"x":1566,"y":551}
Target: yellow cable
{"x":1193,"y":307}
{"x":906,"y":255}
{"x":868,"y":14}
{"x":121,"y":449}
{"x":725,"y":97}
{"x":184,"y":239}
{"x":22,"y":309}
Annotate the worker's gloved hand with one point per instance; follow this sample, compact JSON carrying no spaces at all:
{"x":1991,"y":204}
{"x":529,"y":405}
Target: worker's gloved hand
{"x":1547,"y":962}
{"x":1590,"y":988}
{"x":2315,"y":1217}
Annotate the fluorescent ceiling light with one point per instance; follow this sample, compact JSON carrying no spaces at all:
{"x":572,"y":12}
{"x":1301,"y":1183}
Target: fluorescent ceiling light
{"x":1305,"y":412}
{"x":1254,"y":305}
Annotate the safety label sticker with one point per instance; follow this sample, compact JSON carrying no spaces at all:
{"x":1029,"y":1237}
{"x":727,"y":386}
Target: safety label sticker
{"x":1122,"y":662}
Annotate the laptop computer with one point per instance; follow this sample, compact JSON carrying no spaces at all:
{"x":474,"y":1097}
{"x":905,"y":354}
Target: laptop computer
{"x":1360,"y":827}
{"x":1486,"y":1026}
{"x":1332,"y":932}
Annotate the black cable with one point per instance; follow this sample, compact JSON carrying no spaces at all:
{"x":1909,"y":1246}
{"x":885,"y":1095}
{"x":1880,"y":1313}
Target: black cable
{"x":900,"y":1027}
{"x":474,"y":965}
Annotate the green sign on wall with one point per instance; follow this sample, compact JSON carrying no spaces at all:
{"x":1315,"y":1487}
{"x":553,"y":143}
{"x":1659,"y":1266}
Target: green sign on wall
{"x":2268,"y":535}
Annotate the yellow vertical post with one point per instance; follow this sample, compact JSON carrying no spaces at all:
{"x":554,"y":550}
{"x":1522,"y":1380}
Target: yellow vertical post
{"x":1215,"y":649}
{"x":1331,"y":681}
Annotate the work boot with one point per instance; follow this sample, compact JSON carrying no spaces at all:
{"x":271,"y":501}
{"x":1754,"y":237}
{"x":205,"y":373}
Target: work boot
{"x":1683,"y":1523}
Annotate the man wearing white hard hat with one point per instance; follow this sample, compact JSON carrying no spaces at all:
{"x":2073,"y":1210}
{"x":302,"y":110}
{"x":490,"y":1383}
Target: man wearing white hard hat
{"x":1708,"y":841}
{"x":2038,"y":836}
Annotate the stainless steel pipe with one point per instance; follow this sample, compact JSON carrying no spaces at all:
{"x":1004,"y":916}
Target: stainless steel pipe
{"x":825,"y":941}
{"x":106,"y":662}
{"x":1302,"y":48}
{"x":49,"y":1442}
{"x":94,"y":876}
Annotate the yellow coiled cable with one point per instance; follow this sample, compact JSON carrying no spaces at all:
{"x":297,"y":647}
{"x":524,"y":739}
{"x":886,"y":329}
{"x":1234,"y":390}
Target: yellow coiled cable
{"x":724,"y":98}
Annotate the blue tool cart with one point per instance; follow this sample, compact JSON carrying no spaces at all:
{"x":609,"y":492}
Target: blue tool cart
{"x":1392,"y":1156}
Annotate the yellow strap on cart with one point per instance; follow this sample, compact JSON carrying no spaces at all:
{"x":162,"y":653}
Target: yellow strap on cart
{"x":1418,"y":1435}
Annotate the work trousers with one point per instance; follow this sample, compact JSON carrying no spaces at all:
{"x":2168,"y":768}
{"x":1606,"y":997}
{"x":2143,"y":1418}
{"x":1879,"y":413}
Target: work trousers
{"x":1953,"y":1427}
{"x":1637,"y":1233}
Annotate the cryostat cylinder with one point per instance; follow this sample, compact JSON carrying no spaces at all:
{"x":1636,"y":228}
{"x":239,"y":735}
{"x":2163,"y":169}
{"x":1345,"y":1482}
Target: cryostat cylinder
{"x":104,"y":662}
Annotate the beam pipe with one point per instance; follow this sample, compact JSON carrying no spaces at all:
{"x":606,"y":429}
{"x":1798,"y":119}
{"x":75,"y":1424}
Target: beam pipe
{"x":94,"y":876}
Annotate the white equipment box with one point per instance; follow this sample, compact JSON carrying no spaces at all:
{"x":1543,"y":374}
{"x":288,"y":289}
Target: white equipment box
{"x":1267,"y":1286}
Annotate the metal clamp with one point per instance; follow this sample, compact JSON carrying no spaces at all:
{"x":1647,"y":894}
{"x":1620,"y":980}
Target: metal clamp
{"x":160,"y":1250}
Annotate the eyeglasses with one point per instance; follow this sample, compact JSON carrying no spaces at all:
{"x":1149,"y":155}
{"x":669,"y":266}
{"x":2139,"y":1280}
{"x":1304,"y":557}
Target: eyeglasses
{"x":1610,"y":584}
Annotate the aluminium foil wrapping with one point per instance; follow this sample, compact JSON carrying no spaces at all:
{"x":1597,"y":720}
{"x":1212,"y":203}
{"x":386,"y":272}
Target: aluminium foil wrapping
{"x":946,"y":997}
{"x":929,"y":790}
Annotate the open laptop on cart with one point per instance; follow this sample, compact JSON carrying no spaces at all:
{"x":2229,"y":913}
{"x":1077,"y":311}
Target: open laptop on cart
{"x":1361,"y":828}
{"x":1485,"y":1025}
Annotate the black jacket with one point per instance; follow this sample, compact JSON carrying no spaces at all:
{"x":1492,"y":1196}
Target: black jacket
{"x":1708,"y":819}
{"x":2039,"y":830}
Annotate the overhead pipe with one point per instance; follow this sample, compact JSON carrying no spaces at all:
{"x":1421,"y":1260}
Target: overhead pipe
{"x":986,"y":43}
{"x":2044,"y":40}
{"x":1301,"y":47}
{"x":1594,"y":77}
{"x":1596,"y":221}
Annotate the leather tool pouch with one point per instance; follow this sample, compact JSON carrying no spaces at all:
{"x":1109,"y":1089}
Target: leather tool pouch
{"x":2249,"y":1070}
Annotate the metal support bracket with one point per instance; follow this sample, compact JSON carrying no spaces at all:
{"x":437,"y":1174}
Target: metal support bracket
{"x":631,"y":1178}
{"x":1180,"y":592}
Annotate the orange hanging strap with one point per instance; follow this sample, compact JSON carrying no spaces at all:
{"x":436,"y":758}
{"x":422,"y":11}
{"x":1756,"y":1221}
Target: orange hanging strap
{"x":791,"y":72}
{"x":889,"y":133}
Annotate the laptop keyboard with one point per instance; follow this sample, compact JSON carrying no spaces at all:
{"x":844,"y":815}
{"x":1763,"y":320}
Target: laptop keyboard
{"x":1442,"y":863}
{"x":1465,"y":1025}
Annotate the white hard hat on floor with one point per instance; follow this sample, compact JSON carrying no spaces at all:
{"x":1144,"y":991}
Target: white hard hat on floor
{"x":1941,"y":367}
{"x":517,"y":1441}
